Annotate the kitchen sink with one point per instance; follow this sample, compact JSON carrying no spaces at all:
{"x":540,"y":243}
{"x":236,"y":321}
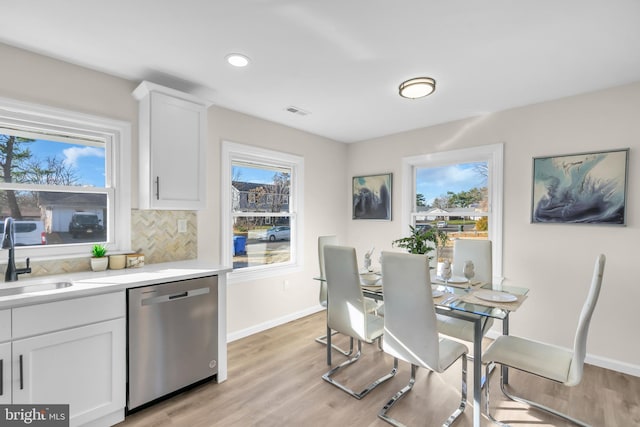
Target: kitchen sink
{"x":27,"y":289}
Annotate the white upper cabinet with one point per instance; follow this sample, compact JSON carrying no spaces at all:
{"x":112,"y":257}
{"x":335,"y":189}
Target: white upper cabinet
{"x":172,"y":142}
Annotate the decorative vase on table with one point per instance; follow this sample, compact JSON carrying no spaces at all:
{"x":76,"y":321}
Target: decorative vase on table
{"x":444,"y":270}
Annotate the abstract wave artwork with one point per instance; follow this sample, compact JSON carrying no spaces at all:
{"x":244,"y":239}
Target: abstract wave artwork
{"x":587,"y":188}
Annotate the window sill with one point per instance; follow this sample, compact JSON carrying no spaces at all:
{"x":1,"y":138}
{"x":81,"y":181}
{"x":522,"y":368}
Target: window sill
{"x":247,"y":275}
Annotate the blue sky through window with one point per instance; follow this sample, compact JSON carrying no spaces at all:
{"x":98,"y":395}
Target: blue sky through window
{"x":253,"y":174}
{"x":88,"y":162}
{"x":435,"y":182}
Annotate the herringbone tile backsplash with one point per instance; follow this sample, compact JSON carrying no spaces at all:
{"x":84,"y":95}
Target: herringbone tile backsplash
{"x":153,"y":233}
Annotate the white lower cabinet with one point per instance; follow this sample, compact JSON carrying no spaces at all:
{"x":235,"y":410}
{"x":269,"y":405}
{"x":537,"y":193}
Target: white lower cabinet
{"x":5,"y":373}
{"x":70,"y":352}
{"x":81,"y":367}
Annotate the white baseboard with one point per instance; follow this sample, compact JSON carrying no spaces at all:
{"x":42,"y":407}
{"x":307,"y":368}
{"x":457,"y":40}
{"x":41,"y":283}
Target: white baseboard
{"x":614,"y":365}
{"x":602,"y":362}
{"x":272,"y":323}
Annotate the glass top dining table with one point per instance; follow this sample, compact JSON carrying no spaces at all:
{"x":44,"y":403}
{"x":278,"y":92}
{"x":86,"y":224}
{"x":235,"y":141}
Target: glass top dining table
{"x":459,"y":301}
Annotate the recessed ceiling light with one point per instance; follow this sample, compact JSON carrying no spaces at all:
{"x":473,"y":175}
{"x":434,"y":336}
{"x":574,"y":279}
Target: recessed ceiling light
{"x":417,"y":87}
{"x":237,"y":59}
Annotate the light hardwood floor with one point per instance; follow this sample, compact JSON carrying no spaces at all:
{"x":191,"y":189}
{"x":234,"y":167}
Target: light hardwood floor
{"x":274,"y":379}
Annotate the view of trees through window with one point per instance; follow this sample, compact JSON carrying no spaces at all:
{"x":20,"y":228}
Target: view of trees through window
{"x":54,"y":189}
{"x":261,"y":215}
{"x":454,"y":199}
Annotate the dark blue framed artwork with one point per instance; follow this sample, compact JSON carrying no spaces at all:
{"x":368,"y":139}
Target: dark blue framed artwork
{"x":587,"y":188}
{"x":372,"y":197}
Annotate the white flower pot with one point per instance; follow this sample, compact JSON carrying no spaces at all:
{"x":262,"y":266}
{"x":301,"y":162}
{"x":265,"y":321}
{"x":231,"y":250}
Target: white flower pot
{"x":99,"y":264}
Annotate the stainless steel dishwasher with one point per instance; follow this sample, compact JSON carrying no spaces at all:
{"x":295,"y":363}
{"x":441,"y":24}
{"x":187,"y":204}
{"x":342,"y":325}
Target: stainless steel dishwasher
{"x":172,"y":337}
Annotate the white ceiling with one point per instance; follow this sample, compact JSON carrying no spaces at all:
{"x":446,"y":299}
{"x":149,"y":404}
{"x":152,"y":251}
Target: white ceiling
{"x":342,"y":60}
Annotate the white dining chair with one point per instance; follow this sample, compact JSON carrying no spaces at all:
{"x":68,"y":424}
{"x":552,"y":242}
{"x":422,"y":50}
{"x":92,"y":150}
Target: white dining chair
{"x":479,"y":252}
{"x":410,"y":327}
{"x":346,"y":311}
{"x":544,"y":360}
{"x":322,"y":297}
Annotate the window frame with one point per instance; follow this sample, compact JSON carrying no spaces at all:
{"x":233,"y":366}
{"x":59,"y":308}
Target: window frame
{"x":493,"y":154}
{"x":61,"y":124}
{"x":231,"y":152}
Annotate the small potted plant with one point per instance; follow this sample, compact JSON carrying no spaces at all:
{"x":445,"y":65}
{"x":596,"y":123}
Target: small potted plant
{"x":99,"y":260}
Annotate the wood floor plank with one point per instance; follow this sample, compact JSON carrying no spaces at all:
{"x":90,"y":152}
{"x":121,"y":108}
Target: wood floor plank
{"x":274,"y":379}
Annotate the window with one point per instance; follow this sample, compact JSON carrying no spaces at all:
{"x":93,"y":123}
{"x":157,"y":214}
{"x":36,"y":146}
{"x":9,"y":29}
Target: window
{"x":63,"y":175}
{"x":458,"y":192}
{"x":262,"y":214}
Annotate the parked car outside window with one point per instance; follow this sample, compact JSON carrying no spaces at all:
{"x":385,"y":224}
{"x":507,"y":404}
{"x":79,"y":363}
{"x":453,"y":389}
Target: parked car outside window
{"x":441,"y":224}
{"x":423,"y":228}
{"x":85,"y":223}
{"x":278,"y":233}
{"x":27,"y":233}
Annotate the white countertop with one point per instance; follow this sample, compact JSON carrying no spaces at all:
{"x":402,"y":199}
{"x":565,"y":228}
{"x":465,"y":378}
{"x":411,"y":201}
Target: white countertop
{"x":92,"y":283}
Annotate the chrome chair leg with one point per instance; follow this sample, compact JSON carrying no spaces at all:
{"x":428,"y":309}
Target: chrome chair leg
{"x":396,"y":397}
{"x":463,"y":394}
{"x":323,"y":340}
{"x":530,"y":403}
{"x":367,"y":389}
{"x":383,"y":414}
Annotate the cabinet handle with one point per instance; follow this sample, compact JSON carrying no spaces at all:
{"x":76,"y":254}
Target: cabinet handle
{"x":1,"y":376}
{"x":157,"y":188}
{"x":21,"y":376}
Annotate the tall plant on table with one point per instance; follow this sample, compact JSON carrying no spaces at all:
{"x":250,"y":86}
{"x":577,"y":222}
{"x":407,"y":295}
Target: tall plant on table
{"x":442,"y":238}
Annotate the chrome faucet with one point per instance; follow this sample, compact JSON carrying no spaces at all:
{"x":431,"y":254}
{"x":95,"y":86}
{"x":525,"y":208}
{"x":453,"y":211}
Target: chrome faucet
{"x":8,"y":242}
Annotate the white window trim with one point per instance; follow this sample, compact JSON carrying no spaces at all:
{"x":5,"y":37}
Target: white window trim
{"x":232,"y":151}
{"x":117,"y":137}
{"x":494,"y":155}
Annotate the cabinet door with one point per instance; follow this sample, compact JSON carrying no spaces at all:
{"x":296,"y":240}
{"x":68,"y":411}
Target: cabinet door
{"x":83,"y":367}
{"x":5,"y":373}
{"x":177,"y":154}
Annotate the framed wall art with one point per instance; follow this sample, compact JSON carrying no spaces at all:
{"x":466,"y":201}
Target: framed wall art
{"x":372,"y":197}
{"x":587,"y":188}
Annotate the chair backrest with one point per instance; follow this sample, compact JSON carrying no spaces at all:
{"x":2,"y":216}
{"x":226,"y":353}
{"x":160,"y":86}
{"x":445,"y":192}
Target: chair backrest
{"x":580,"y":340}
{"x":410,"y":327}
{"x":322,"y":242}
{"x":345,"y":303}
{"x":479,"y":252}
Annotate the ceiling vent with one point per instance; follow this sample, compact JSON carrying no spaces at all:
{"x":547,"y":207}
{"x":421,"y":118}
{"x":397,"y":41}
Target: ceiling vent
{"x":298,"y":111}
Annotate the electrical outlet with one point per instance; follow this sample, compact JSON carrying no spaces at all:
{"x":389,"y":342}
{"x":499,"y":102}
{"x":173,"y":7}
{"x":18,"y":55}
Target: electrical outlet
{"x":182,"y":226}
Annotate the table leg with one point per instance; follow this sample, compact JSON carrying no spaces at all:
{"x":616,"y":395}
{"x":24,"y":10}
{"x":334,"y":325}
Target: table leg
{"x":328,"y":346}
{"x":477,"y":370}
{"x":505,"y":331}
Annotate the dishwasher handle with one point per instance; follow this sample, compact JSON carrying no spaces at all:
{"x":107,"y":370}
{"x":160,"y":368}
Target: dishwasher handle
{"x":175,"y":297}
{"x":182,"y":295}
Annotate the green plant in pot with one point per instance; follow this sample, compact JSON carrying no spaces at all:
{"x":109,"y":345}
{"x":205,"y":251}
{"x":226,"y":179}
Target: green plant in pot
{"x":419,"y":242}
{"x":99,"y":260}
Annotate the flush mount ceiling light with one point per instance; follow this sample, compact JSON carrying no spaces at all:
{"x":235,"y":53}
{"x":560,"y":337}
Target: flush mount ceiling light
{"x":417,"y":87}
{"x":237,"y":59}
